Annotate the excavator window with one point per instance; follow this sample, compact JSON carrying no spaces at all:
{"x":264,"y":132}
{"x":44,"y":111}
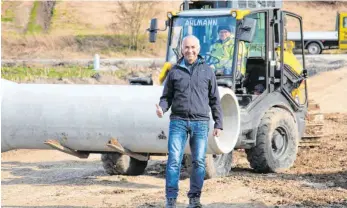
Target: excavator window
{"x":204,"y":28}
{"x":257,"y":47}
{"x":292,"y":80}
{"x":254,"y":58}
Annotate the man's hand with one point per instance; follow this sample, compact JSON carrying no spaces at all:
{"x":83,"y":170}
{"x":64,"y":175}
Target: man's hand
{"x":159,"y":111}
{"x":217,"y":132}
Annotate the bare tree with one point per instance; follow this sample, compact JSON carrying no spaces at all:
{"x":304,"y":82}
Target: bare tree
{"x":132,"y":15}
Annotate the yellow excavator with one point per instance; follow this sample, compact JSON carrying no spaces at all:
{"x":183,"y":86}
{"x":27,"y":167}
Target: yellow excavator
{"x":276,"y":114}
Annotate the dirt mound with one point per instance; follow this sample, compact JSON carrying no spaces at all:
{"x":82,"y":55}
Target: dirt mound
{"x":316,"y":16}
{"x":329,"y":90}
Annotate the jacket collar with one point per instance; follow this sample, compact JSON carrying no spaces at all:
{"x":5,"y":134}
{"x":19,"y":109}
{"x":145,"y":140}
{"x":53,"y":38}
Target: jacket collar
{"x":181,"y":64}
{"x":199,"y":60}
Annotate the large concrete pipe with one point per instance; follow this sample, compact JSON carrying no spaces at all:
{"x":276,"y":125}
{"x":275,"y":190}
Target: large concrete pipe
{"x":86,"y":117}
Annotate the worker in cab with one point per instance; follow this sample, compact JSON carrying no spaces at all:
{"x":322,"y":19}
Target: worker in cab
{"x":222,"y":52}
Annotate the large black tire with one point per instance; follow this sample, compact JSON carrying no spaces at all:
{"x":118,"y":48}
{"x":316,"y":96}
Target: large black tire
{"x":119,"y":164}
{"x":216,"y":165}
{"x":314,"y":48}
{"x":277,"y":142}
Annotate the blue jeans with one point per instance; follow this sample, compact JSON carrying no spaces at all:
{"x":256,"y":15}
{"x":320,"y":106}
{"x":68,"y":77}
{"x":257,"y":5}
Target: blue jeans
{"x":178,"y":134}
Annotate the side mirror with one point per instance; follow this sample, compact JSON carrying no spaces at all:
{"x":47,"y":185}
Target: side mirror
{"x":153,"y":30}
{"x":247,"y":30}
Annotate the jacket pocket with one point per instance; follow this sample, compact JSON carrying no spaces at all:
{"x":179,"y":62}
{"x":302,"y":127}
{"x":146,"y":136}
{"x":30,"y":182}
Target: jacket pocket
{"x":178,"y":107}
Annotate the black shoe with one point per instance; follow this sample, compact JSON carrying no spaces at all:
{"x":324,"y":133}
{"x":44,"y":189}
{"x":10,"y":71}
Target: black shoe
{"x":194,"y":203}
{"x":170,"y":203}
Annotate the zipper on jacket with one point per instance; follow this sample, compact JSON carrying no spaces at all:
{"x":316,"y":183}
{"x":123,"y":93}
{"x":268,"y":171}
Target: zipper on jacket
{"x":190,"y":72}
{"x":190,"y":85}
{"x":190,"y":93}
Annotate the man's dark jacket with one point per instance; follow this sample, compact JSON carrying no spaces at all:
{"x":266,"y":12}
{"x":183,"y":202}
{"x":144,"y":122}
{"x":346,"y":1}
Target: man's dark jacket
{"x":191,"y":93}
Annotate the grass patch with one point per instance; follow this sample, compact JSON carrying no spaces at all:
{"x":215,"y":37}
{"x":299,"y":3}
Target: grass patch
{"x":22,"y":73}
{"x":6,"y":19}
{"x":32,"y":26}
{"x":8,"y":16}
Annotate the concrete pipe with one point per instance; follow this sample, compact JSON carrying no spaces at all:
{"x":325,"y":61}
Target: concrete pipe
{"x":86,"y":117}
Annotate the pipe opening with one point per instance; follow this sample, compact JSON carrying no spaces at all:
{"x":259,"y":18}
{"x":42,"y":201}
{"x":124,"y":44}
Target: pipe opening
{"x":231,"y":124}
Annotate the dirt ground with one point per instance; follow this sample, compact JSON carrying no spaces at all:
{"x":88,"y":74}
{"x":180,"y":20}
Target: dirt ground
{"x":43,"y":178}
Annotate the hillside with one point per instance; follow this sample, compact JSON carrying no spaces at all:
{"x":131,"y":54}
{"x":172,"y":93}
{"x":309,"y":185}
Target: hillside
{"x":81,"y":29}
{"x":317,"y":16}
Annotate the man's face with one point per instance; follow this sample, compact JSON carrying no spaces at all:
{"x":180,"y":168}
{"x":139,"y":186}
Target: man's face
{"x":190,"y":50}
{"x":224,"y":34}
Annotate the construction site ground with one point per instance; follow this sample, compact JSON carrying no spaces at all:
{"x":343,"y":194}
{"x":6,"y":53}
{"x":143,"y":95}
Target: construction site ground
{"x":48,"y":178}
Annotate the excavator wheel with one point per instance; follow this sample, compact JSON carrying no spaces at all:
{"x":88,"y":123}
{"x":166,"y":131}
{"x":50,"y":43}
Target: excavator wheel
{"x":277,"y":142}
{"x":314,"y":125}
{"x":216,"y":165}
{"x":119,"y":164}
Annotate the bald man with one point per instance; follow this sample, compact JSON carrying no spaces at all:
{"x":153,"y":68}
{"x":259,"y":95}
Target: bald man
{"x":190,"y":90}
